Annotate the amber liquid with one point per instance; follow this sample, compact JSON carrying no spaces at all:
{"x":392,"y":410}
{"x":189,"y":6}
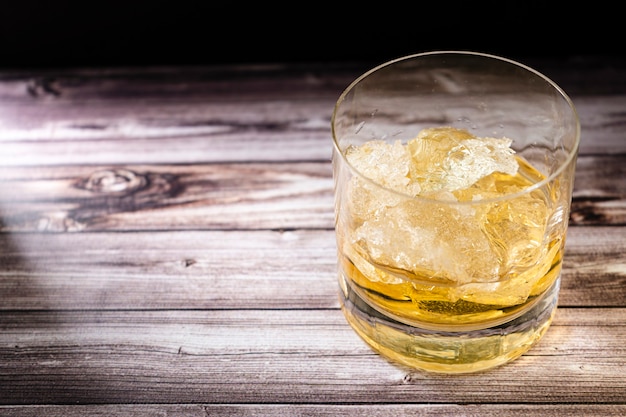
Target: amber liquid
{"x":433,"y":320}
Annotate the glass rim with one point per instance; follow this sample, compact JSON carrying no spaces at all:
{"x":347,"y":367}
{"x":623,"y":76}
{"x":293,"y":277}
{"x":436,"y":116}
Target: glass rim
{"x":571,"y":156}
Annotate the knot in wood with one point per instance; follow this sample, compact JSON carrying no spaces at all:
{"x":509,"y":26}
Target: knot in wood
{"x":43,"y":87}
{"x":115,"y":181}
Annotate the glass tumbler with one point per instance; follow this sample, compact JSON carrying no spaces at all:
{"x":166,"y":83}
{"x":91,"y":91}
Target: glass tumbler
{"x":453,"y":175}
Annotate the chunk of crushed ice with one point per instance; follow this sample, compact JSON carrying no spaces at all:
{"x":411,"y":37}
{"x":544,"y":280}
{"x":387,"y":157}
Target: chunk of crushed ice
{"x":384,"y":163}
{"x":474,"y":159}
{"x":436,"y":162}
{"x":451,"y":159}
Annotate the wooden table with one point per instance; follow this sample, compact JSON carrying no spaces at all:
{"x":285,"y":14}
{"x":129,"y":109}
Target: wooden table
{"x":167,"y":248}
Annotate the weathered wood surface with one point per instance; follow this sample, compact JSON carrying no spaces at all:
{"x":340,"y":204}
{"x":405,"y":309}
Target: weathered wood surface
{"x":252,"y":195}
{"x":237,"y":269}
{"x":268,"y":113}
{"x":330,"y":410}
{"x":243,"y":356}
{"x":166,"y":248}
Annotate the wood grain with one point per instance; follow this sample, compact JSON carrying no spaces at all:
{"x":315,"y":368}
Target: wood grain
{"x":212,"y":115}
{"x":297,"y":410}
{"x":227,"y":196}
{"x":167,"y":248}
{"x":147,"y":356}
{"x":214,"y":196}
{"x":208,"y":132}
{"x":237,"y":269}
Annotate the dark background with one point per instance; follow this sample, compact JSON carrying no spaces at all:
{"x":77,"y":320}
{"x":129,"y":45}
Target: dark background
{"x":129,"y":33}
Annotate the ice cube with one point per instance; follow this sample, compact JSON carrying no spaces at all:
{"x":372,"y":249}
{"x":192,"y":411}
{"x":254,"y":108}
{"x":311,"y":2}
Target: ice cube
{"x":429,"y":241}
{"x":474,"y":159}
{"x":386,"y":164}
{"x":451,"y":159}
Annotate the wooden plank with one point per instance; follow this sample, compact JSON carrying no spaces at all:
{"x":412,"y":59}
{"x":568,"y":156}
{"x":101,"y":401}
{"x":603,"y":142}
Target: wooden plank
{"x":219,"y":196}
{"x":584,"y":75}
{"x":326,"y":410}
{"x":187,"y":132}
{"x":179,"y":133}
{"x":195,"y":83}
{"x":580,"y":76}
{"x":601,"y":120}
{"x":237,"y":269}
{"x":135,"y":410}
{"x":203,"y":115}
{"x":283,"y":356}
{"x":225,"y":269}
{"x":594,"y":266}
{"x":599,"y":195}
{"x":227,"y":196}
{"x":168,"y":116}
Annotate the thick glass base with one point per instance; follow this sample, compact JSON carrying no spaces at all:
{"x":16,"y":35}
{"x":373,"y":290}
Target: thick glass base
{"x":448,"y":351}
